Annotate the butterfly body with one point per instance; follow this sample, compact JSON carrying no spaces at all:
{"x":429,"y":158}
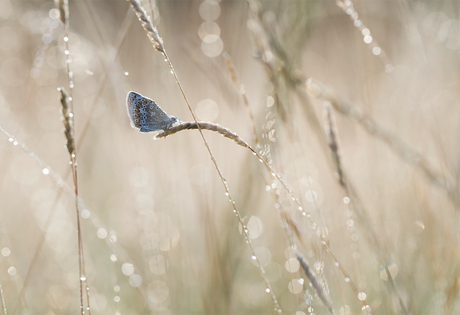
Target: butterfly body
{"x":146,"y":115}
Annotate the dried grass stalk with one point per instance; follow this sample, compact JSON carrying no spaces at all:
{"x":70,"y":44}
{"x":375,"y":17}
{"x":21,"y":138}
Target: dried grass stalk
{"x":319,"y":290}
{"x":206,"y":126}
{"x":242,"y":92}
{"x":356,"y":204}
{"x":405,"y":151}
{"x":331,"y":132}
{"x":63,"y":7}
{"x":67,"y":121}
{"x":151,"y":30}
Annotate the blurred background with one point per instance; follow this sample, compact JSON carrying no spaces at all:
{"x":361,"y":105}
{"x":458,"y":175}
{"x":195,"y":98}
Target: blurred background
{"x":159,"y":234}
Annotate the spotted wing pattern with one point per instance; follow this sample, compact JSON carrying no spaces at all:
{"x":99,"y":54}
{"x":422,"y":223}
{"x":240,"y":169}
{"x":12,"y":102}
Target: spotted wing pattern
{"x":146,"y":115}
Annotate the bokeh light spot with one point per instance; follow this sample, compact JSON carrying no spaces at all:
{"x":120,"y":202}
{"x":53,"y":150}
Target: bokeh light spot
{"x":208,"y":28}
{"x":255,"y":227}
{"x":127,"y":269}
{"x":295,"y":286}
{"x":207,"y":110}
{"x":209,"y":10}
{"x":213,"y":49}
{"x":292,"y":265}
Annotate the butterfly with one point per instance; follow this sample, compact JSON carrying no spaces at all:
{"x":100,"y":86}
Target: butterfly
{"x":146,"y":114}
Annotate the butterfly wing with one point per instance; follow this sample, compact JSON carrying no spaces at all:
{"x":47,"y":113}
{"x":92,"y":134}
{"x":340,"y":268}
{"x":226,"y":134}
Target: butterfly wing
{"x":156,"y":117}
{"x":146,"y":114}
{"x":134,"y":110}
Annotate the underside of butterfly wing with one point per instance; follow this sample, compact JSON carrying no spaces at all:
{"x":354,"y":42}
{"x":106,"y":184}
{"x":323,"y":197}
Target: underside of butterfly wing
{"x":146,"y":114}
{"x":133,"y":110}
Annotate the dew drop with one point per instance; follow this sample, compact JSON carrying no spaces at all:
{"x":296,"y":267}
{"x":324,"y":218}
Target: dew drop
{"x":6,"y":251}
{"x":126,"y":73}
{"x":419,"y":224}
{"x":361,"y":296}
{"x":45,"y":171}
{"x":66,"y":39}
{"x":376,"y":50}
{"x":12,"y":271}
{"x":267,"y":290}
{"x":253,"y":257}
{"x":366,"y":308}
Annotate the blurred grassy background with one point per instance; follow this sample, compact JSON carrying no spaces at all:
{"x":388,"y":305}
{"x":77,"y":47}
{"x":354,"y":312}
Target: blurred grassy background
{"x":158,"y":231}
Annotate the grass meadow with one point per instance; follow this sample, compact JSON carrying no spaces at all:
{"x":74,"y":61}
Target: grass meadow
{"x":341,"y":196}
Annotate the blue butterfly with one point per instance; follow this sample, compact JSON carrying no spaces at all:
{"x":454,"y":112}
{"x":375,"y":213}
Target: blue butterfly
{"x":146,"y":114}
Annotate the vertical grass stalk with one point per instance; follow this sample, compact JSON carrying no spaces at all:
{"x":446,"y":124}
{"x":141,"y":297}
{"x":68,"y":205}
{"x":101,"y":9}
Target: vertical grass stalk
{"x":157,"y":42}
{"x":69,"y":131}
